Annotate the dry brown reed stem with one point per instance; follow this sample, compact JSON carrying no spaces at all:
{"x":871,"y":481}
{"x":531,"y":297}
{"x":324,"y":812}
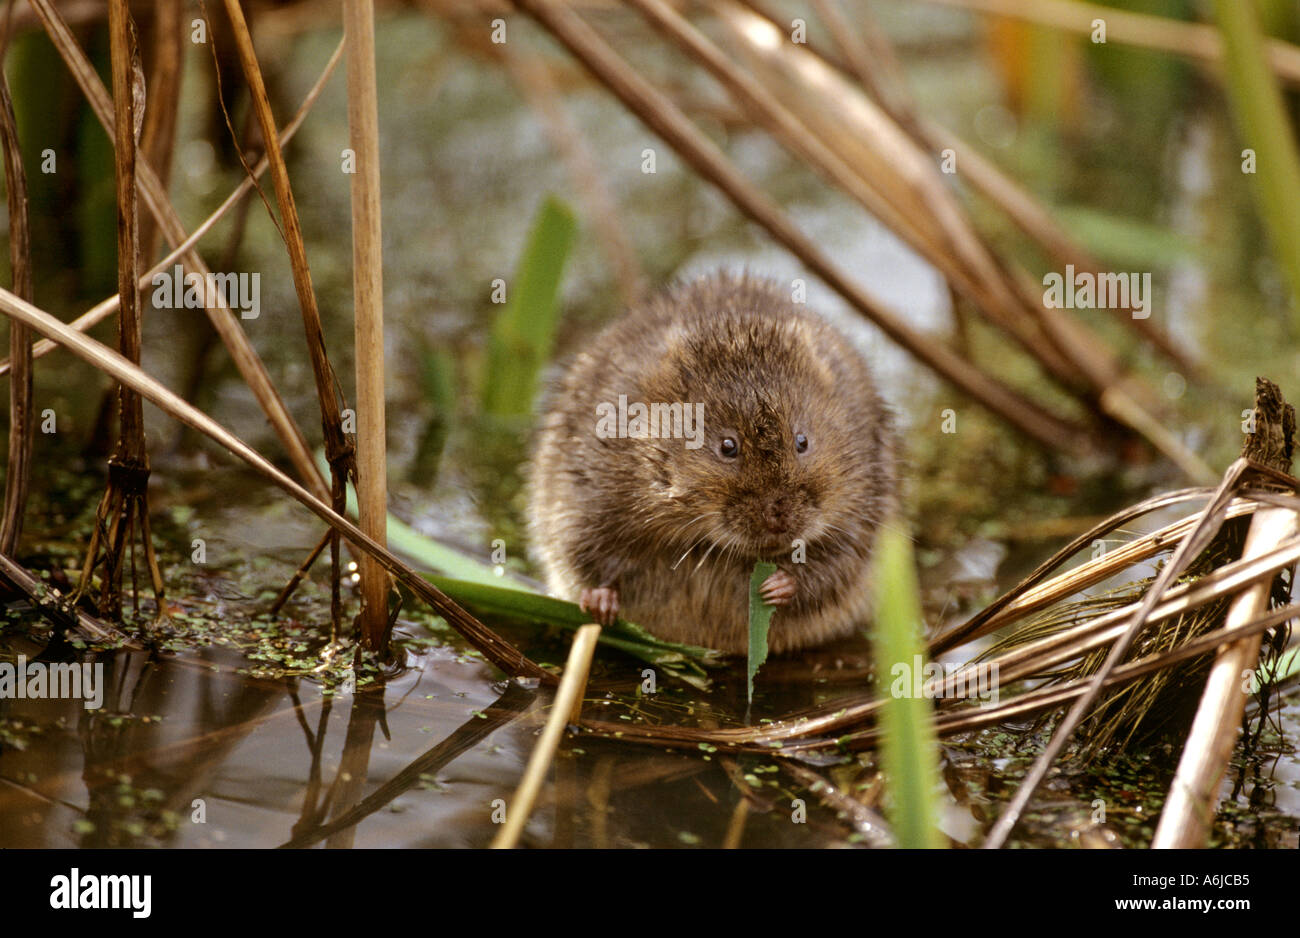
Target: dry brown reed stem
{"x":74,"y":12}
{"x":158,"y":139}
{"x":299,"y":575}
{"x":890,"y":178}
{"x":1051,"y":697}
{"x":155,"y":197}
{"x":125,"y":503}
{"x":887,"y":160}
{"x":876,"y":68}
{"x":495,"y":649}
{"x":736,"y":826}
{"x":340,"y":450}
{"x":666,"y":120}
{"x":368,"y":312}
{"x":128,"y":117}
{"x":567,"y":703}
{"x":863,"y":150}
{"x":1196,"y":540}
{"x":1094,"y":571}
{"x":21,"y":427}
{"x":1194,"y":40}
{"x":983,"y":622}
{"x":1193,"y":794}
{"x":870,"y":57}
{"x":102,"y":310}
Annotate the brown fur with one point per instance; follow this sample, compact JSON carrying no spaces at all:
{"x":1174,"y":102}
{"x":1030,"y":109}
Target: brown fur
{"x":677,"y":531}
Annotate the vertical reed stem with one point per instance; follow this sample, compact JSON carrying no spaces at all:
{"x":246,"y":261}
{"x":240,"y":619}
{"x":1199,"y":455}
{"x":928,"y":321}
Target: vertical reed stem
{"x":368,"y":299}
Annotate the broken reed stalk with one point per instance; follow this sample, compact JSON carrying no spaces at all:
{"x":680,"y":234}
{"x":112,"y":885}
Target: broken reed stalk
{"x":155,"y":197}
{"x":339,"y":448}
{"x":62,"y":610}
{"x":1193,"y":794}
{"x":495,"y":649}
{"x":125,"y":503}
{"x":1029,"y":598}
{"x":666,"y":120}
{"x":566,"y":708}
{"x":21,"y":427}
{"x":368,"y":301}
{"x":982,"y":622}
{"x":102,"y":310}
{"x":1193,"y":40}
{"x":1196,"y":540}
{"x":874,"y":68}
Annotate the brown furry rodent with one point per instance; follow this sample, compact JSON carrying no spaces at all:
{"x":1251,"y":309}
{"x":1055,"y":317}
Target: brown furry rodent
{"x":791,"y":460}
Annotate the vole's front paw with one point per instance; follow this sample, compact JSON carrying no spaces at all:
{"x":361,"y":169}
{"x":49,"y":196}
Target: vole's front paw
{"x":600,"y":603}
{"x":778,"y":589}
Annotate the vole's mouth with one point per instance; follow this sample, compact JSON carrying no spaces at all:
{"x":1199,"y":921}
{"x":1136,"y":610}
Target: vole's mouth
{"x":776,"y":543}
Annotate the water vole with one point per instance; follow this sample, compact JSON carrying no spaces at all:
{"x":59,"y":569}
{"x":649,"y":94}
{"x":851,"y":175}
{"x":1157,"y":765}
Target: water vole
{"x":712,"y":426}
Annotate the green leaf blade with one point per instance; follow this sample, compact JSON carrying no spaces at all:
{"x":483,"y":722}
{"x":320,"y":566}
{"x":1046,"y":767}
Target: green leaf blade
{"x":760,"y":619}
{"x":909,"y":748}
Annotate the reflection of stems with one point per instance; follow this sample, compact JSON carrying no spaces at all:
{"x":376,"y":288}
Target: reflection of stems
{"x":507,"y":707}
{"x":354,"y":766}
{"x":312,"y":813}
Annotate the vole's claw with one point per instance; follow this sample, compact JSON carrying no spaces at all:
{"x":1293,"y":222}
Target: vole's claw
{"x":778,"y":589}
{"x":601,"y":604}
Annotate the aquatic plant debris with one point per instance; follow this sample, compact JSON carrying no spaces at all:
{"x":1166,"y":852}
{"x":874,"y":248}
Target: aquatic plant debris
{"x":760,"y":618}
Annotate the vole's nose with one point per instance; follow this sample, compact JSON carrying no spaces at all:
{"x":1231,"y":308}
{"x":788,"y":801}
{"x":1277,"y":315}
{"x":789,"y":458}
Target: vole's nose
{"x":776,"y":516}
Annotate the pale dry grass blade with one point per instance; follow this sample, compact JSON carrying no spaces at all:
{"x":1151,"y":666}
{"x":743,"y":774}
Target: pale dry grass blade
{"x":565,"y":708}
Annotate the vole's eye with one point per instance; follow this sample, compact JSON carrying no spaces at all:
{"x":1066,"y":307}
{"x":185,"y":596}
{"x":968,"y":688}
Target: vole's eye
{"x":729,"y":447}
{"x":800,"y":443}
